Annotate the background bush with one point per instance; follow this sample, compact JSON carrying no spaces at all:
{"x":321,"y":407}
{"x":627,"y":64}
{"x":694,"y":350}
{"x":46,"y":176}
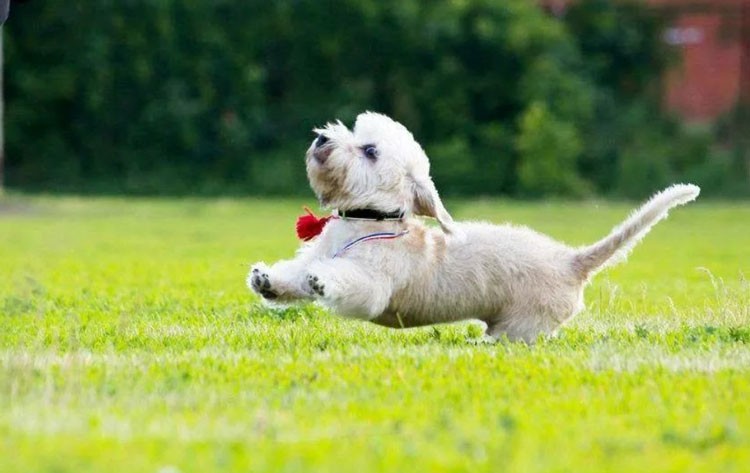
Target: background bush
{"x":191,"y":96}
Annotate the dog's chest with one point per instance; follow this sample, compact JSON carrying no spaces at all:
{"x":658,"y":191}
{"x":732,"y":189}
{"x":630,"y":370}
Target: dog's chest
{"x":358,"y":239}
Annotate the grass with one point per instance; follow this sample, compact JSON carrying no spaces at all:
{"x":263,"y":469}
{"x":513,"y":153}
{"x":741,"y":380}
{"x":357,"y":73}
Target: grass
{"x":128,"y":342}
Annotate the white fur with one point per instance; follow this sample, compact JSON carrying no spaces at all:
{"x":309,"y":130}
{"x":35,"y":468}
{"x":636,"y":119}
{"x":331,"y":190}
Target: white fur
{"x":519,"y":282}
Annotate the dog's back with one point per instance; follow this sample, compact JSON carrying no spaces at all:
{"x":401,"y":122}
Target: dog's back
{"x":518,"y":281}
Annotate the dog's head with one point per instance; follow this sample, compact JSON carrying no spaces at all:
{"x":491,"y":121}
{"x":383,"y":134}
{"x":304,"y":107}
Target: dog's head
{"x":376,"y":165}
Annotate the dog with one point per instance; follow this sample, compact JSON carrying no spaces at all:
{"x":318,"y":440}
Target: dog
{"x":375,"y":260}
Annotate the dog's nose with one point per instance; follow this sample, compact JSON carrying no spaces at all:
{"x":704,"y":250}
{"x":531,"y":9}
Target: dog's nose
{"x":321,"y":152}
{"x":322,"y":139}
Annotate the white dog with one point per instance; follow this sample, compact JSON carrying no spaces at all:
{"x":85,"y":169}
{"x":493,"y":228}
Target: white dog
{"x":375,"y":260}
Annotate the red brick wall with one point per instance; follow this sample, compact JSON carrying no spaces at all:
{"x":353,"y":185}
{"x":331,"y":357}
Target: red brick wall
{"x":706,"y":82}
{"x":713,"y":71}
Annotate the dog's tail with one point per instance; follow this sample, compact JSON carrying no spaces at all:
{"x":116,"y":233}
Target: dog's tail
{"x":616,"y":246}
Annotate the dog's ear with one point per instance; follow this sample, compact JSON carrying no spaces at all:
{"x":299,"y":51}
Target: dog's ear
{"x":427,"y":202}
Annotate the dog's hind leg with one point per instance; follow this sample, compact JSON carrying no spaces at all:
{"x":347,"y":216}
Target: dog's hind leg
{"x":348,"y":289}
{"x":499,"y":331}
{"x":517,"y":327}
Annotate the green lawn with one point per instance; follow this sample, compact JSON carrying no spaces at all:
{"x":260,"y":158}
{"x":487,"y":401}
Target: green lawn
{"x":128,"y":342}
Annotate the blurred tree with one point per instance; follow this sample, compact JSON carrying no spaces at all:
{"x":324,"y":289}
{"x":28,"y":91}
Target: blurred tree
{"x":167,"y":96}
{"x":632,"y":146}
{"x":4,"y":11}
{"x":548,"y":149}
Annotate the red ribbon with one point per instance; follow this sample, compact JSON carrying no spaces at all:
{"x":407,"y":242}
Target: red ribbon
{"x":309,"y":226}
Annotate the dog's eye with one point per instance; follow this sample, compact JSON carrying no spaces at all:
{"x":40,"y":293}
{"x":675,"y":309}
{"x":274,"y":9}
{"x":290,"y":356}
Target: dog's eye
{"x":370,"y":151}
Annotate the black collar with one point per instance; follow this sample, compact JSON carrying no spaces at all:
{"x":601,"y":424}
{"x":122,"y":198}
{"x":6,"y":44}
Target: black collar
{"x":370,"y":214}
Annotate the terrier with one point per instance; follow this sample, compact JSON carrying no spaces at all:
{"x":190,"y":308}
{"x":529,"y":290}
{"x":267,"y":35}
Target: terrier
{"x":375,"y":260}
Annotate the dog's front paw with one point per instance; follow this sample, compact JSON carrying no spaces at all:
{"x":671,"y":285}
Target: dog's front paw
{"x":261,"y":283}
{"x":316,"y":285}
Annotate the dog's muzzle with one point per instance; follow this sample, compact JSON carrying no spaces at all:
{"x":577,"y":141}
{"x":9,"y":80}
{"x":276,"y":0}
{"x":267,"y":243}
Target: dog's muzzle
{"x":323,"y":148}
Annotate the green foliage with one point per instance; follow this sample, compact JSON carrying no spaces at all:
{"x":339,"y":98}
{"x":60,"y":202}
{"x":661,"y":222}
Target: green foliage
{"x":166,"y":96}
{"x":631,"y":147}
{"x":129,"y":342}
{"x":646,"y":160}
{"x":548,"y":148}
{"x":622,"y":45}
{"x":731,"y":172}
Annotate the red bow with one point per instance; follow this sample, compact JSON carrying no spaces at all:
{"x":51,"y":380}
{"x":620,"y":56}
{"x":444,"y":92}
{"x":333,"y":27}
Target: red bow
{"x":309,"y":226}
